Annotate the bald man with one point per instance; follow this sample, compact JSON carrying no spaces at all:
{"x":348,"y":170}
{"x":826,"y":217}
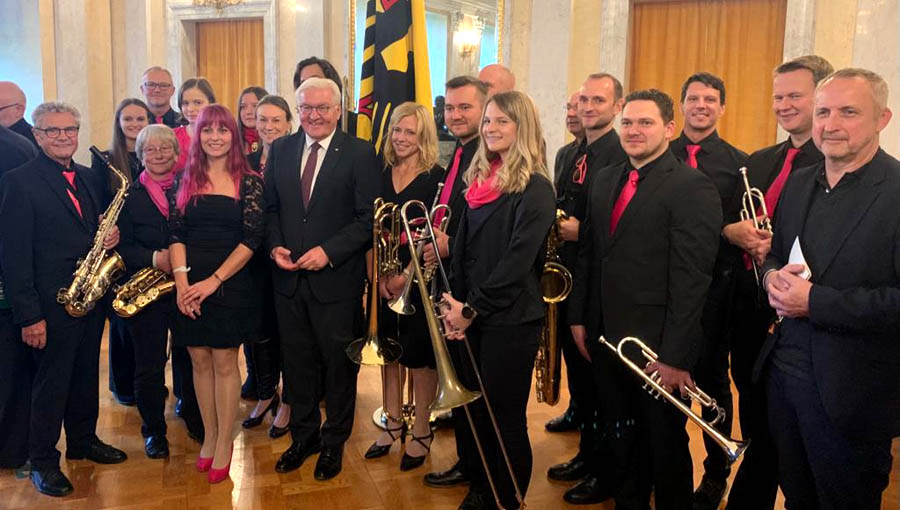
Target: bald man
{"x":497,"y":78}
{"x":12,"y":110}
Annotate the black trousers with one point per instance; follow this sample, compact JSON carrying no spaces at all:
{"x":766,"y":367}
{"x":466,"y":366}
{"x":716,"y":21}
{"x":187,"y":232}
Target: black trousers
{"x":266,"y":362}
{"x":150,"y":331}
{"x":17,"y":368}
{"x":583,"y":394}
{"x":183,"y":386}
{"x":818,"y":467}
{"x":121,"y":356}
{"x":711,"y":372}
{"x":314,"y":336}
{"x":755,"y":485}
{"x":647,"y":440}
{"x":505,"y":358}
{"x":64,"y":391}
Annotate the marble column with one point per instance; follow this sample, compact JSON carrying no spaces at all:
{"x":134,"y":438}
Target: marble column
{"x":615,"y":22}
{"x":584,"y":42}
{"x":302,"y":34}
{"x":877,"y":47}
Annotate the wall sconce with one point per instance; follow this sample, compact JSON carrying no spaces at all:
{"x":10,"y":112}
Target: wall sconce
{"x":467,"y":34}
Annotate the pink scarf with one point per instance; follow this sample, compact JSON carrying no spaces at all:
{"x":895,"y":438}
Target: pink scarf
{"x":485,"y":192}
{"x":157,"y":190}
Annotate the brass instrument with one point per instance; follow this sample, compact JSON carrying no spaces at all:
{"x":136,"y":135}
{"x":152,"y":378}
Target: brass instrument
{"x":372,"y":349}
{"x":556,"y":284}
{"x":144,"y":288}
{"x":450,"y":392}
{"x":732,"y":447}
{"x":753,"y":201}
{"x":96,"y":271}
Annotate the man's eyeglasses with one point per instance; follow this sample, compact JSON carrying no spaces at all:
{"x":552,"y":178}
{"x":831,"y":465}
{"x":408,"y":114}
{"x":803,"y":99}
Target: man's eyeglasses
{"x":152,"y":151}
{"x":54,"y":132}
{"x":322,"y":109}
{"x":157,"y":86}
{"x":8,"y":106}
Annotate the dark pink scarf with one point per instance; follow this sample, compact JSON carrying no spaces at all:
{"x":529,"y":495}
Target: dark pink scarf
{"x":485,"y":192}
{"x":157,"y":190}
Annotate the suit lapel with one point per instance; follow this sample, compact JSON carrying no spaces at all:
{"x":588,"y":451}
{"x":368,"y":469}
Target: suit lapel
{"x":499,"y":204}
{"x":56,"y":183}
{"x":328,"y":164}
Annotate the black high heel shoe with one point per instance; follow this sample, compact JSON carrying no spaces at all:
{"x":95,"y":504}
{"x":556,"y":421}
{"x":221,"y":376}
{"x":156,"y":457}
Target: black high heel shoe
{"x":249,"y":423}
{"x":377,"y":450}
{"x":409,"y":462}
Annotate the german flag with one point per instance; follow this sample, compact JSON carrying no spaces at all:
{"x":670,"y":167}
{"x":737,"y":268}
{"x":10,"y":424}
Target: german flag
{"x":395,"y":64}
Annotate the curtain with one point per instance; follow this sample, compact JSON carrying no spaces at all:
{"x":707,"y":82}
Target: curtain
{"x":230,"y":55}
{"x":738,"y":40}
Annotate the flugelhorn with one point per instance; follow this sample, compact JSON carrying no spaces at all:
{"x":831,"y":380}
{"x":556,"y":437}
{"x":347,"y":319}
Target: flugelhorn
{"x":556,"y":284}
{"x":372,"y":349}
{"x":752,"y":202}
{"x":450,"y":392}
{"x":732,"y":447}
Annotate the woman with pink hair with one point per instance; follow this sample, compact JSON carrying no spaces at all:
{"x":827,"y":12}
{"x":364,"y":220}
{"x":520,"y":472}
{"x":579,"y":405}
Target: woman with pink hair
{"x":216,"y":223}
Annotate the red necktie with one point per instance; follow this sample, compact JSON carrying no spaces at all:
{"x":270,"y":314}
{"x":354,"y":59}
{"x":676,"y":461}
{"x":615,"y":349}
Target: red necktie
{"x":448,"y":186}
{"x":306,"y":178}
{"x":70,"y":177}
{"x":159,"y":120}
{"x":777,"y":186}
{"x":625,"y":196}
{"x":580,"y":170}
{"x":692,"y":151}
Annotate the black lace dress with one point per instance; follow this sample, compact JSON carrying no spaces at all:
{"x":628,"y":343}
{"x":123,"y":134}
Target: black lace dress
{"x":211,"y":227}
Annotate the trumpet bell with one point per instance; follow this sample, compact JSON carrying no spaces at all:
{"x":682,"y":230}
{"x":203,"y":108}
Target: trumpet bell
{"x":401,"y":305}
{"x":451,"y":394}
{"x":734,"y":449}
{"x":371,"y":350}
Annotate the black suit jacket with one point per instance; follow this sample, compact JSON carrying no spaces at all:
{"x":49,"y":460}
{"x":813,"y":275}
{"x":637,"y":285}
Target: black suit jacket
{"x":143,"y":229}
{"x":854,"y":302}
{"x":339,"y":217}
{"x":650,"y":279}
{"x":496,"y":269}
{"x":764,"y":165}
{"x":457,"y":196}
{"x":25,"y":129}
{"x":43,"y":236}
{"x":565,"y":157}
{"x":15,"y":150}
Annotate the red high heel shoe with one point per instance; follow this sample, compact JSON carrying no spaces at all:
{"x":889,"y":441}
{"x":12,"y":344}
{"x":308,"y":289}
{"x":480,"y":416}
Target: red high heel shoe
{"x":204,"y":463}
{"x":218,"y":475}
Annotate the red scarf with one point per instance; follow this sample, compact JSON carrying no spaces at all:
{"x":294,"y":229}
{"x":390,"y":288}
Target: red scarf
{"x":251,"y":139}
{"x":157,"y":190}
{"x":485,"y":192}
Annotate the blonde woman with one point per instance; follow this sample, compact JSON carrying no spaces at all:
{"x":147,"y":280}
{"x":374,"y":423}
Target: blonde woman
{"x":495,"y":299}
{"x":410,"y":173}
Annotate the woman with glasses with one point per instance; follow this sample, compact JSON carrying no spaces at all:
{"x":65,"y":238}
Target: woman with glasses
{"x":246,"y":117}
{"x":144,"y":241}
{"x":193,"y":95}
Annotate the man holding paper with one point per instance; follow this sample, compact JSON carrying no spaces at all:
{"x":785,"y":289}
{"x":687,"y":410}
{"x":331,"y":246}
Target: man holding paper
{"x":831,"y":367}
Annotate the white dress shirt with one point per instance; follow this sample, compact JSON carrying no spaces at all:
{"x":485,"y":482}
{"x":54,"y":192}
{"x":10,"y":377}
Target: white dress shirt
{"x":320,"y":156}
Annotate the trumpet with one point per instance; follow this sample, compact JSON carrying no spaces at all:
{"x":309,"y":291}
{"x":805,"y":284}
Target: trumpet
{"x":732,"y":447}
{"x":753,"y":201}
{"x":372,"y":349}
{"x":450,"y":392}
{"x":556,"y":284}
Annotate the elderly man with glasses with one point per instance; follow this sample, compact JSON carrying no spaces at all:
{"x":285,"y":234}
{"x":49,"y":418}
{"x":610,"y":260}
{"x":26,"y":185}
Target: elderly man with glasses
{"x":12,"y":110}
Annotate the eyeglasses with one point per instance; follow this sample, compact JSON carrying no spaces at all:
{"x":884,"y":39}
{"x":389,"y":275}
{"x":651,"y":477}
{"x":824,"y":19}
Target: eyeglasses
{"x":151,"y":151}
{"x":54,"y":132}
{"x":158,"y":86}
{"x":322,"y":109}
{"x":8,"y":106}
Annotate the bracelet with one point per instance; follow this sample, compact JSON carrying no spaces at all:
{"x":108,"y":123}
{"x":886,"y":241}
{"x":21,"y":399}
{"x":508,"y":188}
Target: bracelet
{"x":181,"y":269}
{"x":216,"y":276}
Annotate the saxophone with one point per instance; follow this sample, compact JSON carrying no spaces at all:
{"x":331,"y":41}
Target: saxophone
{"x":96,"y":271}
{"x":144,"y":288}
{"x":556,"y":284}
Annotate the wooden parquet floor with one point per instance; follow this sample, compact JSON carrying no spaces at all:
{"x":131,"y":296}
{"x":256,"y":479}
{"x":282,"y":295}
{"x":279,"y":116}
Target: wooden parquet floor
{"x":174,"y":484}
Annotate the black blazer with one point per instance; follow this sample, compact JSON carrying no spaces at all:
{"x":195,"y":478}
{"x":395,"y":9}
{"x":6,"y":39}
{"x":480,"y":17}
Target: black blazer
{"x":457,"y":196}
{"x":16,"y":150}
{"x":339,"y":217}
{"x":651,"y":278}
{"x":565,"y":157}
{"x":497,"y":268}
{"x":854,"y":302}
{"x":142,"y":230}
{"x":43,"y":235}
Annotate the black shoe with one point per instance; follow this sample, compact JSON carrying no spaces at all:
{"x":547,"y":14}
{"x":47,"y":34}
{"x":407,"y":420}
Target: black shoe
{"x":51,"y":482}
{"x":156,"y":447}
{"x":294,"y":456}
{"x":589,"y":491}
{"x":449,"y":478}
{"x":329,"y":464}
{"x":565,"y":422}
{"x":251,"y":422}
{"x":378,"y":450}
{"x":276,"y":432}
{"x":475,"y":500}
{"x":179,"y":408}
{"x":97,"y":451}
{"x":574,"y":469}
{"x":125,"y":400}
{"x":709,"y":494}
{"x":248,"y":389}
{"x":408,"y":462}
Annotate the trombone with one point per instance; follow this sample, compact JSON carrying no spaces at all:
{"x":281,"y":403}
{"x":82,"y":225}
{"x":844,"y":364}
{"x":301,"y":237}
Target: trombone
{"x":732,"y":447}
{"x":450,"y":392}
{"x":752,"y":201}
{"x":372,"y":349}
